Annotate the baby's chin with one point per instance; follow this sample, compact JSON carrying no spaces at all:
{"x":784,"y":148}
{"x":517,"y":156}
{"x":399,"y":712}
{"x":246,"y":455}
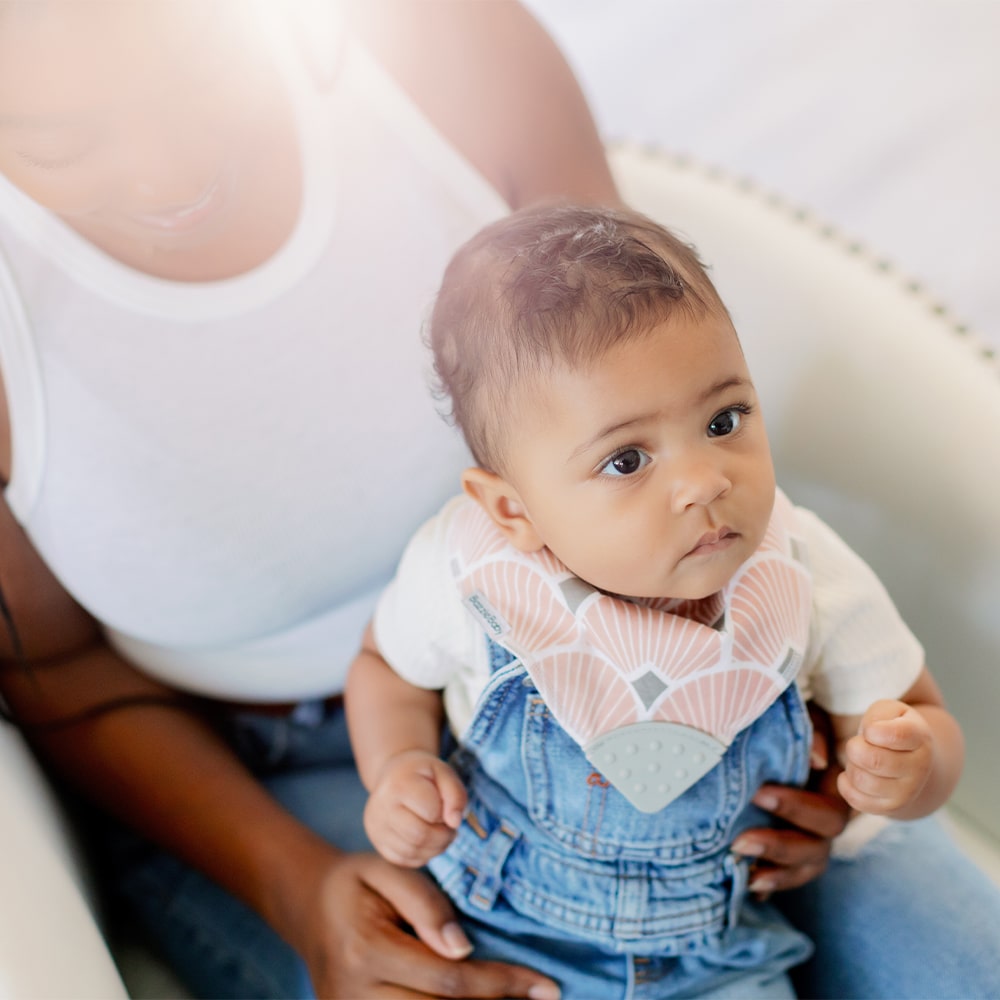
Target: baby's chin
{"x":690,"y":584}
{"x":686,"y":592}
{"x":678,"y":596}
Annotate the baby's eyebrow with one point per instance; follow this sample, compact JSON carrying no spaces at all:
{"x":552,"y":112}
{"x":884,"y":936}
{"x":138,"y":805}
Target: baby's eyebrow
{"x":607,"y":432}
{"x":732,"y":382}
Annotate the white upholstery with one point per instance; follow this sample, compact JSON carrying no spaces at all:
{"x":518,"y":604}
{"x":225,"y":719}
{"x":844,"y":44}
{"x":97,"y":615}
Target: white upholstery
{"x":50,"y":945}
{"x":882,"y":417}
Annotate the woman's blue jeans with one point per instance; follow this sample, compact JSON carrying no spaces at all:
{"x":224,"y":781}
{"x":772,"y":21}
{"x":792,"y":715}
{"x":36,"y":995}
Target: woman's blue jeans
{"x":909,"y":917}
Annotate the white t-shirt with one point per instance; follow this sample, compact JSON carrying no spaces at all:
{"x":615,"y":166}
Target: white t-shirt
{"x":859,"y":648}
{"x":224,"y":473}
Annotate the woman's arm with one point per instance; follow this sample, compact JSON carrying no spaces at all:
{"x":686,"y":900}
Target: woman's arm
{"x":137,"y":762}
{"x":161,"y":768}
{"x":490,"y":78}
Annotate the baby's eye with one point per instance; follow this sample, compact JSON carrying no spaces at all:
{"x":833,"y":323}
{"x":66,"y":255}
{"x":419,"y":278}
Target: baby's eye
{"x":726,"y":422}
{"x":625,"y":463}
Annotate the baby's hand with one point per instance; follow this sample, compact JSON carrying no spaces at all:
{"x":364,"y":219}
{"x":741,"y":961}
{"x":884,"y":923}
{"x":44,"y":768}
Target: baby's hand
{"x":888,"y":763}
{"x":414,"y":810}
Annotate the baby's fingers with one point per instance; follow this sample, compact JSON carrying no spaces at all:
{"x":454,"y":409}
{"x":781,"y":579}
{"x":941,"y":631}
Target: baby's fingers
{"x":870,"y":758}
{"x":434,"y":794}
{"x":894,"y":726}
{"x":453,"y":797}
{"x":868,"y":793}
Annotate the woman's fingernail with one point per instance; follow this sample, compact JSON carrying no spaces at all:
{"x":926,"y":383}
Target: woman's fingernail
{"x":761,"y":884}
{"x":748,"y":848}
{"x":766,"y":800}
{"x":544,"y":991}
{"x":454,"y":937}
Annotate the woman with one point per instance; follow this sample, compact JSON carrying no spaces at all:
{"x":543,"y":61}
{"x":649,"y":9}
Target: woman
{"x":220,"y":226}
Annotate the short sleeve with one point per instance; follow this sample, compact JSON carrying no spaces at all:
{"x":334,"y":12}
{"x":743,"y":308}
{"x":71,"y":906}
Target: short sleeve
{"x":420,"y":627}
{"x":860,"y":649}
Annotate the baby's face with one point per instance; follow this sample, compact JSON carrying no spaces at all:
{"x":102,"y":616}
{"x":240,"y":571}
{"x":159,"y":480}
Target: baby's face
{"x":649,"y":473}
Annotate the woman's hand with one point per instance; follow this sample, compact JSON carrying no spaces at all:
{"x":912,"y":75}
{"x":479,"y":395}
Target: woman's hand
{"x":359,"y":945}
{"x":796,"y":852}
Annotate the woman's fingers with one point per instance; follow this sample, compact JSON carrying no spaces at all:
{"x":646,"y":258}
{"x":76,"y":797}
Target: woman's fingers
{"x":783,"y":859}
{"x":795,"y":854}
{"x":385,"y":957}
{"x":813,"y":812}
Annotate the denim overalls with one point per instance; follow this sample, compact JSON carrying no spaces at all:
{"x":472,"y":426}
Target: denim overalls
{"x":556,"y":870}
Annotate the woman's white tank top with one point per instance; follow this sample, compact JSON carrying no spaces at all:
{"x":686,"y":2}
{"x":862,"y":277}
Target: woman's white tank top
{"x":225,"y":474}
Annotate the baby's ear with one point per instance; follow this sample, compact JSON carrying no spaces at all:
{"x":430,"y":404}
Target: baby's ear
{"x":501,"y":501}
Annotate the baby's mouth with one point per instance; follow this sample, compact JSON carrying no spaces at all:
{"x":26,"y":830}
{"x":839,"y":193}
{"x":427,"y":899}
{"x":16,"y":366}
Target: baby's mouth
{"x":714,"y":541}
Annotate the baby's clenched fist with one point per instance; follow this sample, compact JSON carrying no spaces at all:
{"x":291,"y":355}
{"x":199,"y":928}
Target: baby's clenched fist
{"x":414,"y":809}
{"x":888,"y":762}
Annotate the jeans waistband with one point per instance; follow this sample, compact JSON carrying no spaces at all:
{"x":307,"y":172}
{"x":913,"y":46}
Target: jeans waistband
{"x":278,"y":709}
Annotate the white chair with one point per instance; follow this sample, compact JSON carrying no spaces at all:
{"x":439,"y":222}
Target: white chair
{"x":882,"y":415}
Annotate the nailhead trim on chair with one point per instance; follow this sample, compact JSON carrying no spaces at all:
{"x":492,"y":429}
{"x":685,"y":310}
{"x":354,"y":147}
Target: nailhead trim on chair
{"x":805,"y":216}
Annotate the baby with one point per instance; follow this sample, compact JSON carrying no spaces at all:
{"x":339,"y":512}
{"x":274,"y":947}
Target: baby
{"x":621,"y":621}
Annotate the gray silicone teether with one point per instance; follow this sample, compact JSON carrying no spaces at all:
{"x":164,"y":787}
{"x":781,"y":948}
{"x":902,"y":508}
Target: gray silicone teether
{"x":652,"y":763}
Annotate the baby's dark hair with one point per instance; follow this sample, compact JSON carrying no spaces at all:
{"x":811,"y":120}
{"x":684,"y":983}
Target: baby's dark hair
{"x":550,"y":285}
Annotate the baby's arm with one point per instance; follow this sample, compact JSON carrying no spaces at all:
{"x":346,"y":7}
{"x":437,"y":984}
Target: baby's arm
{"x":901,"y":758}
{"x":416,"y":801}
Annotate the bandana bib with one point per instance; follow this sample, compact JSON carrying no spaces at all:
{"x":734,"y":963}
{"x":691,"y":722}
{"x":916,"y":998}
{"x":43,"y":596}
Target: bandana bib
{"x":653,"y":691}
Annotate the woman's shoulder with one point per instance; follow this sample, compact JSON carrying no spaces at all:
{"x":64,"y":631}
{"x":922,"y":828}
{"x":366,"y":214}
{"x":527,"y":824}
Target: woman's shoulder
{"x":492,"y":81}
